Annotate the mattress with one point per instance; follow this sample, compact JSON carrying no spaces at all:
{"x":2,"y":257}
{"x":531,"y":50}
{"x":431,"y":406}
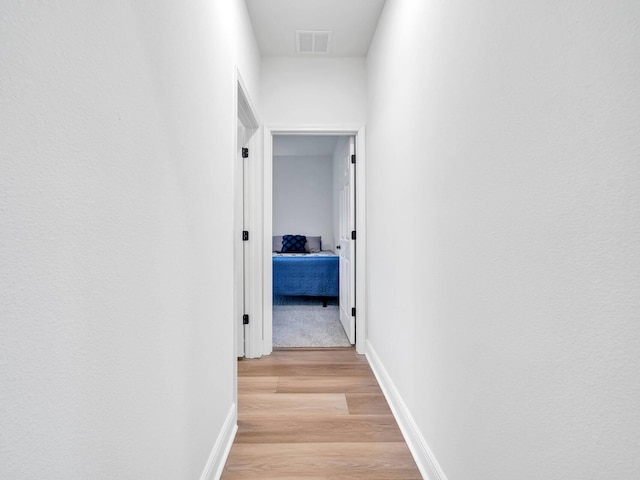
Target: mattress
{"x":311,"y":274}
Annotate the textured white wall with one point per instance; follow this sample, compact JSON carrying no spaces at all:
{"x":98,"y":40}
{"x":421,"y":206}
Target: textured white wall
{"x":304,"y":91}
{"x":303,"y":197}
{"x":504,"y":232}
{"x":116,"y":349}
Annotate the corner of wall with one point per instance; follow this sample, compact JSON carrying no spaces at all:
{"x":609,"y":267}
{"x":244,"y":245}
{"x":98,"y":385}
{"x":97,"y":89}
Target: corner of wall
{"x":220,"y":451}
{"x":422,"y":454}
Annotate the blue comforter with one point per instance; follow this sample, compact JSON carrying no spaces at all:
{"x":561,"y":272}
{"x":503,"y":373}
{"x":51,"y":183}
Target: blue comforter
{"x":306,"y":275}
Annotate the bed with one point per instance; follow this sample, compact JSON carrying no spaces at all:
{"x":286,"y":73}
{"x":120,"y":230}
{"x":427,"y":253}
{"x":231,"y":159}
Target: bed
{"x":306,"y":274}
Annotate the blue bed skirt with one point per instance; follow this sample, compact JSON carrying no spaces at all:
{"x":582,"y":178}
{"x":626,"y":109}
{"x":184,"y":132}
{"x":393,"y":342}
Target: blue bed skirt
{"x":315,"y":276}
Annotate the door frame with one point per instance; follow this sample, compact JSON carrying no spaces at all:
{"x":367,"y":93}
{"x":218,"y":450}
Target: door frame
{"x":247,"y":280}
{"x":358,"y":131}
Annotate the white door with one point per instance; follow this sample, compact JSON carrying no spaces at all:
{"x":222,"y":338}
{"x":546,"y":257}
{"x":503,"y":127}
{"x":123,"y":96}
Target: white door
{"x":238,"y":247}
{"x":248,"y":330}
{"x":346,"y":247}
{"x":241,"y":252}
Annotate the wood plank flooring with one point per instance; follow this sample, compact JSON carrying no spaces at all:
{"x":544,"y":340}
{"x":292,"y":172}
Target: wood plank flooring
{"x":315,"y":414}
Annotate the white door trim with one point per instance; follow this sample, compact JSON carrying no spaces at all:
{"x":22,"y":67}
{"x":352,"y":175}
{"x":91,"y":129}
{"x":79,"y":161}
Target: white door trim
{"x":359,"y":132}
{"x":251,"y":207}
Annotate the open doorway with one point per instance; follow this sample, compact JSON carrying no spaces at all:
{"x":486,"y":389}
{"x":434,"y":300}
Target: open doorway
{"x":339,"y":143}
{"x":313,"y":242}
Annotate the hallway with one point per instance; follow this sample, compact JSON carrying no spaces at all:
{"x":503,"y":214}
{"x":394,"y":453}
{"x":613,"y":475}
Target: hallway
{"x":315,"y":414}
{"x":500,"y":244}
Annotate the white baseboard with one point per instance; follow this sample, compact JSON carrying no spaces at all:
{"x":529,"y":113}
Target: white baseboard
{"x":422,"y":454}
{"x":220,"y":452}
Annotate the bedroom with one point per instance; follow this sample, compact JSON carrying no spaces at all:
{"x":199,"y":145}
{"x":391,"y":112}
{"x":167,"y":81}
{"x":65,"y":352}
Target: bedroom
{"x":313,"y":277}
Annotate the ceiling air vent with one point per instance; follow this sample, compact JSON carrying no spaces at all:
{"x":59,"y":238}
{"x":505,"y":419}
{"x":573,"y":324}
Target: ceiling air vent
{"x":313,"y":41}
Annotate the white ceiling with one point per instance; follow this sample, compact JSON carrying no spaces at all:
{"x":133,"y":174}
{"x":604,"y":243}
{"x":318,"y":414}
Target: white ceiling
{"x":304,"y":145}
{"x":353,"y":23}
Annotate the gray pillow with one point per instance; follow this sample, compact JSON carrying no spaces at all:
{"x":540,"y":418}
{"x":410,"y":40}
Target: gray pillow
{"x":277,"y":243}
{"x":313,"y":245}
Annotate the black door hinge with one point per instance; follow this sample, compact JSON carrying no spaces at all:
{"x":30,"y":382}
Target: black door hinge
{"x":245,"y":152}
{"x":353,"y":311}
{"x":353,"y":158}
{"x":245,"y":235}
{"x":353,"y":235}
{"x":245,"y":319}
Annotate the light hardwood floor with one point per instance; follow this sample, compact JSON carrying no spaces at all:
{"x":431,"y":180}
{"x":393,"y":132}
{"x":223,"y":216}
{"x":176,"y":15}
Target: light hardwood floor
{"x":312,"y":414}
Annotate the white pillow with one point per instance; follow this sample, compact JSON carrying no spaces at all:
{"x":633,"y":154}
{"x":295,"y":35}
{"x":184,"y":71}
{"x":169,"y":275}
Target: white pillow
{"x":277,"y":243}
{"x":313,"y":245}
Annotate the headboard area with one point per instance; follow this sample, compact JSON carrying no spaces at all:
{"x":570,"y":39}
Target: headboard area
{"x":312,"y":244}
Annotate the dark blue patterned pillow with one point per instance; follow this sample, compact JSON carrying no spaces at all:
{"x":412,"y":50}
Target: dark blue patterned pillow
{"x":293,"y":243}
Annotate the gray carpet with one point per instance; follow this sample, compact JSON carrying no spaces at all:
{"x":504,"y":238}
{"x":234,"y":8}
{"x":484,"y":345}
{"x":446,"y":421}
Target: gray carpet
{"x":308,"y":326}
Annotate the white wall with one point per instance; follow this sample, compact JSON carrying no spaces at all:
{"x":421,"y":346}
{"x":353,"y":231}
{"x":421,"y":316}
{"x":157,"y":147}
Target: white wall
{"x":507,"y":311}
{"x":303,"y":197}
{"x":116,"y":347}
{"x":312,"y":91}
